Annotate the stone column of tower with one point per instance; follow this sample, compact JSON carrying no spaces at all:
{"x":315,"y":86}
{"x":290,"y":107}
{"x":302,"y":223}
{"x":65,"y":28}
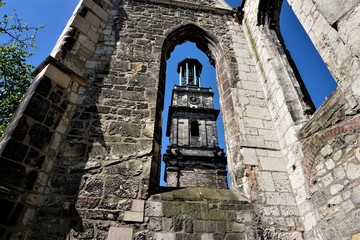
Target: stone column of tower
{"x":193,"y":157}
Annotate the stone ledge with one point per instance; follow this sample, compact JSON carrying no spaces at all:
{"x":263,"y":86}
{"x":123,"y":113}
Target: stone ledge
{"x":59,"y":70}
{"x":217,"y":9}
{"x":199,"y":195}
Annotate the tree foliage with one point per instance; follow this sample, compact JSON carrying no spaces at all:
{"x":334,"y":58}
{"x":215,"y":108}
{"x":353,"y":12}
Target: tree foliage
{"x":17,"y":43}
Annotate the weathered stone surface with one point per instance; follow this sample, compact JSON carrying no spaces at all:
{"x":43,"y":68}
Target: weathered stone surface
{"x":129,"y":168}
{"x":65,"y":185}
{"x":154,"y":209}
{"x":82,"y":166}
{"x":34,"y":158}
{"x":169,"y":236}
{"x":88,"y":203}
{"x":110,"y":67}
{"x":353,"y":171}
{"x":21,"y":129}
{"x":15,"y":176}
{"x":265,"y":181}
{"x":37,"y":108}
{"x":124,"y":232}
{"x":143,"y":235}
{"x":15,"y":150}
{"x":121,"y":187}
{"x":40,"y":136}
{"x":73,"y":149}
{"x":132,"y":216}
{"x":93,"y":188}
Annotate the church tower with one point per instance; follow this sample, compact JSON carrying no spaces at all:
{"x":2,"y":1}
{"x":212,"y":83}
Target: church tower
{"x":193,"y":157}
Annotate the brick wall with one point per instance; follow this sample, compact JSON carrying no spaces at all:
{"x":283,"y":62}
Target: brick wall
{"x":331,"y":164}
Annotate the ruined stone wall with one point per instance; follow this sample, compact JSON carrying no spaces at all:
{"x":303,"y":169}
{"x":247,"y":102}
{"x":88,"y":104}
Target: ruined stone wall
{"x":332,"y":170}
{"x":198,"y":177}
{"x":321,"y":174}
{"x":87,"y":158}
{"x":191,"y":213}
{"x":30,"y":145}
{"x":340,"y":56}
{"x":286,"y":107}
{"x":331,"y":28}
{"x":110,"y":154}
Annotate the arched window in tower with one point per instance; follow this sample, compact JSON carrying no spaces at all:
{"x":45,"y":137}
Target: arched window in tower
{"x":194,"y":129}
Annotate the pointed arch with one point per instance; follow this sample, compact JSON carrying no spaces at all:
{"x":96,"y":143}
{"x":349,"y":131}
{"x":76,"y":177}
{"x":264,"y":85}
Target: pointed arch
{"x":206,"y":42}
{"x":190,"y":32}
{"x":211,"y":46}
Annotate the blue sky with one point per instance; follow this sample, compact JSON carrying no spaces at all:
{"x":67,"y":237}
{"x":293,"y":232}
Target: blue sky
{"x":55,"y":13}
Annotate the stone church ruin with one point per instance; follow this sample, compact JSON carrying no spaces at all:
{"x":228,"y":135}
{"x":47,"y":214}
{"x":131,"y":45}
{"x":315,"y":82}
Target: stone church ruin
{"x":81,"y":158}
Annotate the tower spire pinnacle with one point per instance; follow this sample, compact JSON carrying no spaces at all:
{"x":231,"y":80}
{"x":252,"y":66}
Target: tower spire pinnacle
{"x":189,"y":71}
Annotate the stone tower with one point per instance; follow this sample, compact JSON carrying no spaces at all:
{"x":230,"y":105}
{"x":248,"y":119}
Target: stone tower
{"x":81,"y":157}
{"x":193,"y":158}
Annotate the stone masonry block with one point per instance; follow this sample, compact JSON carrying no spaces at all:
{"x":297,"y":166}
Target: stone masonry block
{"x":86,"y":42}
{"x":199,"y":226}
{"x":215,"y":214}
{"x":253,"y":122}
{"x":285,"y":199}
{"x":37,"y":108}
{"x":250,"y":85}
{"x":167,"y":224}
{"x":15,"y":150}
{"x":171,"y":208}
{"x":155,"y":224}
{"x":88,"y":3}
{"x":220,"y":226}
{"x":249,"y":155}
{"x":265,"y":181}
{"x":235,"y":227}
{"x":120,"y":233}
{"x":191,"y":210}
{"x":272,"y":164}
{"x":95,"y":21}
{"x":281,"y":180}
{"x":234,"y":236}
{"x":57,"y":75}
{"x":164,"y":236}
{"x":137,"y":205}
{"x":254,"y":140}
{"x":130,"y":216}
{"x":353,"y":171}
{"x":100,"y":12}
{"x":257,"y":112}
{"x":81,"y":24}
{"x":154,"y":209}
{"x":289,"y":211}
{"x":309,"y":221}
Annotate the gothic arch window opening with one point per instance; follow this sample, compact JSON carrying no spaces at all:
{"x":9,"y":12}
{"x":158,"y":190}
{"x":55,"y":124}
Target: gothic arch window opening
{"x":208,"y":79}
{"x":312,"y":69}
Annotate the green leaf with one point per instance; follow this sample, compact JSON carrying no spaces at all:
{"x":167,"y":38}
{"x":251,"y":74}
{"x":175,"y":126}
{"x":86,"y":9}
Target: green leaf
{"x":16,"y":45}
